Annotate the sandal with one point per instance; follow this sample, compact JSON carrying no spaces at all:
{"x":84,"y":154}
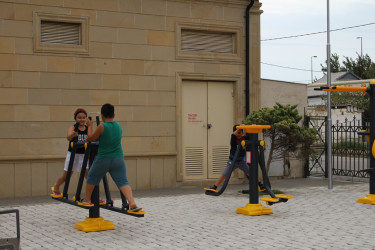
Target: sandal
{"x":135,"y":209}
{"x":55,"y":194}
{"x":102,"y":202}
{"x":84,"y":203}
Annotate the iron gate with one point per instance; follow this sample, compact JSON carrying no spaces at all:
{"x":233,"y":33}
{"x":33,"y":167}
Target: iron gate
{"x":350,"y":151}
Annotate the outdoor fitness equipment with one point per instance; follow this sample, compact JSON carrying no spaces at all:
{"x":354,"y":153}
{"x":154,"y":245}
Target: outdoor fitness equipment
{"x":370,"y":198}
{"x":214,"y":192}
{"x":254,"y":156}
{"x":15,"y":242}
{"x":94,"y":222}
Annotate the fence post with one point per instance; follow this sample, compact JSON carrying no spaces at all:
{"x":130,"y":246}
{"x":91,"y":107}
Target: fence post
{"x":326,"y":147}
{"x":306,"y":171}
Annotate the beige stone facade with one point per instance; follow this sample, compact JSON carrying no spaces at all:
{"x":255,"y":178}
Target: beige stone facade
{"x":130,"y":55}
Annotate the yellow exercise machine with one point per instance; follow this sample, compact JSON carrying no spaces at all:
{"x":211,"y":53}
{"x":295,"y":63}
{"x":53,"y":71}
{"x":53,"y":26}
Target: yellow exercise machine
{"x":370,"y":198}
{"x":94,"y":222}
{"x":254,"y":156}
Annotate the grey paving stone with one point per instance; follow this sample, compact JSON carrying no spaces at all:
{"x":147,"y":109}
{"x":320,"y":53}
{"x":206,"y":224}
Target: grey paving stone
{"x":185,"y":218}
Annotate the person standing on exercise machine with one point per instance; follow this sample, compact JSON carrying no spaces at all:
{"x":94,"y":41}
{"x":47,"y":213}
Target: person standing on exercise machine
{"x":110,"y":157}
{"x":236,"y":137}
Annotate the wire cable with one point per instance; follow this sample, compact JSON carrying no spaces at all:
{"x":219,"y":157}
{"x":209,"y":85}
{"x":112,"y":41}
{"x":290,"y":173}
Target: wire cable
{"x":315,"y":33}
{"x":285,"y":67}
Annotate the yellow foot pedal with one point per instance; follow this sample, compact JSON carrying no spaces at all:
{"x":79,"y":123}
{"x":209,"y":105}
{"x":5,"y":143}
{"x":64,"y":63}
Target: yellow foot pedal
{"x":56,"y":196}
{"x":284,"y":196}
{"x":139,"y":212}
{"x":85,"y":204}
{"x":261,"y":189}
{"x":269,"y":200}
{"x":211,"y":190}
{"x":369,"y":199}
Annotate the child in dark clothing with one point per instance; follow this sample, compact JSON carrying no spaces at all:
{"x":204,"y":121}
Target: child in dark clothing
{"x":77,"y":132}
{"x":236,"y":137}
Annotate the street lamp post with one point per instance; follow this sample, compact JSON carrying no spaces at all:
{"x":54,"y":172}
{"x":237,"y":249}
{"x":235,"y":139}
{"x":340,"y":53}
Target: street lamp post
{"x":312,"y":76}
{"x":361,"y":44}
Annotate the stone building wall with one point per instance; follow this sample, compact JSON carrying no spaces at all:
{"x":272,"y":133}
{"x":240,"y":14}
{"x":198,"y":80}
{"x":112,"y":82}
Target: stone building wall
{"x":131,"y":60}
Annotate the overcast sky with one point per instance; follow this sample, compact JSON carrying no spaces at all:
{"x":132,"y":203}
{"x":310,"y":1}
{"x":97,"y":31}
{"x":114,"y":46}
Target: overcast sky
{"x":283,"y":18}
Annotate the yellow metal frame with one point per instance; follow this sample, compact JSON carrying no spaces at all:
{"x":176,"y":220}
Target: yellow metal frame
{"x":254,"y":209}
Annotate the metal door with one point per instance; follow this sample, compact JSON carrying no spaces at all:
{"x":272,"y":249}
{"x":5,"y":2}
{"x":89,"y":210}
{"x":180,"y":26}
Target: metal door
{"x":207,"y":121}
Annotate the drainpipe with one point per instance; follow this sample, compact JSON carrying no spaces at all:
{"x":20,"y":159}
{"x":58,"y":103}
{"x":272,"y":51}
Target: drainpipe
{"x":247,"y":83}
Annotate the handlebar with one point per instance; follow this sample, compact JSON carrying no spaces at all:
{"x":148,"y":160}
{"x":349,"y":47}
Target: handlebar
{"x":343,"y":89}
{"x":253,"y":129}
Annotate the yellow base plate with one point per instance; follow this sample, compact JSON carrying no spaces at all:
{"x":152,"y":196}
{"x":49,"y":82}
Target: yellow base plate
{"x":254,"y":209}
{"x":94,"y":225}
{"x":369,"y":199}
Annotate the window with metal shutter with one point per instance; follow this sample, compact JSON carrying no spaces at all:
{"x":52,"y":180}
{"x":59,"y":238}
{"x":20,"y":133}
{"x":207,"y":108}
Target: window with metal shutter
{"x":60,"y":33}
{"x":201,"y":41}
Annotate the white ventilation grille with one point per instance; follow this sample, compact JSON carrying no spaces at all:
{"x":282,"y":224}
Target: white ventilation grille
{"x":220,"y":158}
{"x":200,"y":41}
{"x":194,"y":161}
{"x":60,"y":33}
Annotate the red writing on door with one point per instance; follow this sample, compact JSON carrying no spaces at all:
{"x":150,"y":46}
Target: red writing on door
{"x":193,"y":118}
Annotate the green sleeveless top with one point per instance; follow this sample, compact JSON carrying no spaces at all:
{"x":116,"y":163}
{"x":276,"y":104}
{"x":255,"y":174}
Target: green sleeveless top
{"x":110,"y":141}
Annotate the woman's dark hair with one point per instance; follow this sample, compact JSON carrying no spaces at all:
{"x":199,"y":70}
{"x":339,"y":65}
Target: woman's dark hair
{"x":108,"y":110}
{"x":80,"y":110}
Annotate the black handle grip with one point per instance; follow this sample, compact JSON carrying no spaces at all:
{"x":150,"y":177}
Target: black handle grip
{"x":76,"y":126}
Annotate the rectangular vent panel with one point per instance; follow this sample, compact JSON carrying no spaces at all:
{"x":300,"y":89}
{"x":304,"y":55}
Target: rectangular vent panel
{"x":194,"y":161}
{"x":200,"y":41}
{"x":60,"y":33}
{"x":220,"y":158}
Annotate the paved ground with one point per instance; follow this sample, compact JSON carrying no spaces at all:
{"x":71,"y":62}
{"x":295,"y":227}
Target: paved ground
{"x":185,"y":218}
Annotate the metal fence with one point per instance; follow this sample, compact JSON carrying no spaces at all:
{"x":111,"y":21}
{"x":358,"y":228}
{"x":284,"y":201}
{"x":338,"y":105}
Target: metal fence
{"x":350,"y":151}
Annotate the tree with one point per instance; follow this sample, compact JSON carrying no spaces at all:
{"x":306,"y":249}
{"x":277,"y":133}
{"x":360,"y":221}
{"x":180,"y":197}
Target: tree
{"x":335,"y":64}
{"x":362,"y":66}
{"x":285,"y":134}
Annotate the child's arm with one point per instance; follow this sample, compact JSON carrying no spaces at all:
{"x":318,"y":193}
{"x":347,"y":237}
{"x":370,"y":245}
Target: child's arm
{"x":239,"y":132}
{"x":71,"y":133}
{"x":93,"y":136}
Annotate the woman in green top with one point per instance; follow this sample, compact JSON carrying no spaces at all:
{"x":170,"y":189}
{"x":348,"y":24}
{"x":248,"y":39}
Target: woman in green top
{"x":110,"y":157}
